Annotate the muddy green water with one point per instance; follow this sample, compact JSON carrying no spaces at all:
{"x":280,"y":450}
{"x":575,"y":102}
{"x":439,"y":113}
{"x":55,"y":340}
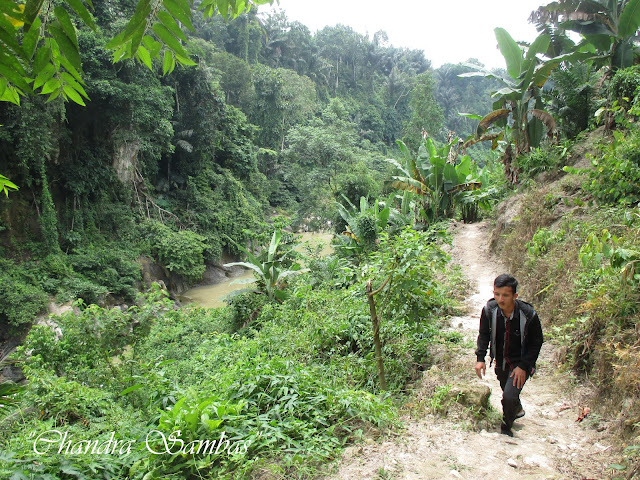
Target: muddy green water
{"x":215,"y":295}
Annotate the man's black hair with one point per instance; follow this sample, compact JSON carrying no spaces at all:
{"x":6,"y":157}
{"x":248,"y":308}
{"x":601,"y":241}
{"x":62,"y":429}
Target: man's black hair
{"x":506,"y":280}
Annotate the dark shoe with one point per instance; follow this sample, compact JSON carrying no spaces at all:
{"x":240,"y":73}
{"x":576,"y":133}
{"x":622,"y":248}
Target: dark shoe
{"x":520,"y":414}
{"x":504,"y":430}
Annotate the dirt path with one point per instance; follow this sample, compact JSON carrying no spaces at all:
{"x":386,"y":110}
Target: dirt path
{"x":548,"y":442}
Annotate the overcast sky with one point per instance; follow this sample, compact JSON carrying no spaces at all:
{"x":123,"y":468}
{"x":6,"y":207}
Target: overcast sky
{"x":449,"y":31}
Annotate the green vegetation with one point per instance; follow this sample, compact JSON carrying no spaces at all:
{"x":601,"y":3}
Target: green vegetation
{"x":152,"y":369}
{"x":204,"y":146}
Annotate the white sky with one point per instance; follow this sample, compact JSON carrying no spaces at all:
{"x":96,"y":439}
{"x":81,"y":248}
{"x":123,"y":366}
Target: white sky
{"x":449,"y":31}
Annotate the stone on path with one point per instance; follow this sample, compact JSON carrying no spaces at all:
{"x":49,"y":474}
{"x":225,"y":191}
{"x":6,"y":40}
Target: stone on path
{"x":471,"y":395}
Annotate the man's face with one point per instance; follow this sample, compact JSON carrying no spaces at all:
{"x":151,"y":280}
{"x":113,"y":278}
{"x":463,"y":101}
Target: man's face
{"x":505,"y":297}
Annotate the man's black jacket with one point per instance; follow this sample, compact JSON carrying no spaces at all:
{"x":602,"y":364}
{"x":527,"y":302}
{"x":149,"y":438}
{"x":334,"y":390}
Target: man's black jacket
{"x":531,"y":339}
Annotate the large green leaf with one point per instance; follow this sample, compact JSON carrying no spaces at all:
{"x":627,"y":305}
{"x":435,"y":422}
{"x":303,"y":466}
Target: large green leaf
{"x":70,"y":80}
{"x":507,"y":91}
{"x":7,"y":36}
{"x":623,"y":55}
{"x":72,"y":94}
{"x":396,"y":164}
{"x":383,"y":216}
{"x":253,"y":267}
{"x":539,"y":45}
{"x":478,"y":71}
{"x":66,"y":45}
{"x":31,"y":10}
{"x":406,"y":153}
{"x":51,"y":85}
{"x":463,"y":169}
{"x":47,"y":73}
{"x":511,"y":52}
{"x":472,"y":116}
{"x":431,"y":147}
{"x":138,"y":20}
{"x":135,"y":41}
{"x":275,"y":241}
{"x":346,"y":216}
{"x":435,"y":173}
{"x":288,"y":273}
{"x":168,"y":62}
{"x":30,"y":39}
{"x":588,"y":28}
{"x":601,"y":42}
{"x":629,"y":19}
{"x":450,"y":176}
{"x":13,"y":76}
{"x":70,"y":68}
{"x":153,"y":46}
{"x":541,"y":75}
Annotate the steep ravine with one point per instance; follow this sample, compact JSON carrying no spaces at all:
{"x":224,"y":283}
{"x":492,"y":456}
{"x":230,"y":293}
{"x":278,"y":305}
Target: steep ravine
{"x":548,"y":444}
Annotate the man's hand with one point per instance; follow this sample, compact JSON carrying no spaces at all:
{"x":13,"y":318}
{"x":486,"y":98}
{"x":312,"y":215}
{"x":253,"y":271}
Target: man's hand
{"x":481,"y":369}
{"x":519,"y":377}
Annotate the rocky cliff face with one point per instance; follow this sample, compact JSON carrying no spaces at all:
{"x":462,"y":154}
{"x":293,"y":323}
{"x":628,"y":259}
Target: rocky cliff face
{"x":125,"y":159}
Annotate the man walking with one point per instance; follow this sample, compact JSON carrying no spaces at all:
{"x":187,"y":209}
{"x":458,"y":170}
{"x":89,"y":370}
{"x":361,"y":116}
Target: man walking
{"x":512,"y":330}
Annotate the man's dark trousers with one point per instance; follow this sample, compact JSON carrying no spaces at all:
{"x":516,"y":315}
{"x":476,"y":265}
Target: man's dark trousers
{"x":510,"y":397}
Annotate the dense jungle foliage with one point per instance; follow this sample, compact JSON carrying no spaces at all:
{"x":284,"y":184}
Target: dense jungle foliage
{"x":250,"y":129}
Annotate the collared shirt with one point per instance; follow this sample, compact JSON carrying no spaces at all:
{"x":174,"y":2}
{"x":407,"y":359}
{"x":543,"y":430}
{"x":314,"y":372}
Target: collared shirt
{"x":508,"y":340}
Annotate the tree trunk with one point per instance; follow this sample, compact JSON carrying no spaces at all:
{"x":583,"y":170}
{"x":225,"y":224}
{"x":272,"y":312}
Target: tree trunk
{"x":376,"y":332}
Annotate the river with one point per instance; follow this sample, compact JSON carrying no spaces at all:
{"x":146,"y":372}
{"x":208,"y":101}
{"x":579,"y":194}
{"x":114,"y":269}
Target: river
{"x":214,"y":295}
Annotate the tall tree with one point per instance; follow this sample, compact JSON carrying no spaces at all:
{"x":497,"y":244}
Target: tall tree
{"x":283,"y":98}
{"x":426,"y":114}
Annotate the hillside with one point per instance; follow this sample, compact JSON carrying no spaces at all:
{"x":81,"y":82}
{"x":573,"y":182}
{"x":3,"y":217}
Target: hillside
{"x":148,"y":147}
{"x":442,"y":441}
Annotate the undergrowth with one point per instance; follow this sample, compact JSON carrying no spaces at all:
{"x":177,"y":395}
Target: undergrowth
{"x":203,"y":393}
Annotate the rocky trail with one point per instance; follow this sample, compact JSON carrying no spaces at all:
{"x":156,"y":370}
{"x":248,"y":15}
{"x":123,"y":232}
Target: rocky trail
{"x":548,"y":442}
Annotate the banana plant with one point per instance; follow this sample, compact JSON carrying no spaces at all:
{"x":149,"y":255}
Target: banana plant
{"x":433,"y":179}
{"x":271,"y":273}
{"x":609,"y":25}
{"x":518,"y":103}
{"x":362,"y":225}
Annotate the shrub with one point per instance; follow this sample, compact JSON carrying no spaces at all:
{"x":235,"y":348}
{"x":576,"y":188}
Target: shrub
{"x":615,"y":178}
{"x":20,"y":301}
{"x":624,"y":84}
{"x":112,"y":268}
{"x":245,"y":308}
{"x":537,"y":161}
{"x":180,"y":252}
